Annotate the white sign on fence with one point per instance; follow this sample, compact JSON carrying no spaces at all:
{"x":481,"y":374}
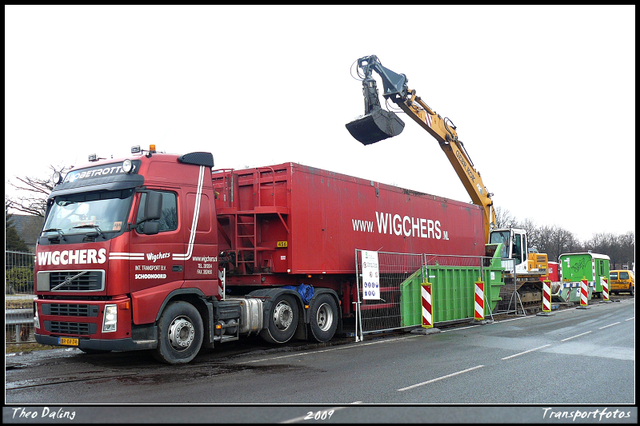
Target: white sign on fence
{"x":370,"y":275}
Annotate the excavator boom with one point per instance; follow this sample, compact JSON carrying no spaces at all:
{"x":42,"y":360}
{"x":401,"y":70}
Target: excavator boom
{"x":378,"y":124}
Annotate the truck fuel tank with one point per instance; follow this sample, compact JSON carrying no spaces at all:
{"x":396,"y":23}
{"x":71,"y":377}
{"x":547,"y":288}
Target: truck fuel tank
{"x":379,"y":124}
{"x":252,"y":315}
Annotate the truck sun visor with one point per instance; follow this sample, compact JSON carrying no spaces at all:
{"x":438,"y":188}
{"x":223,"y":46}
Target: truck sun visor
{"x":197,"y":158}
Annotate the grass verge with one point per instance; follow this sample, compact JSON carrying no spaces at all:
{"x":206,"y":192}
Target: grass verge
{"x":26,"y":347}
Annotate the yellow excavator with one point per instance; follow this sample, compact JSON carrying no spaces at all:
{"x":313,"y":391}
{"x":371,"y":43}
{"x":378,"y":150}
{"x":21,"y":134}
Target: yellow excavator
{"x":377,"y":124}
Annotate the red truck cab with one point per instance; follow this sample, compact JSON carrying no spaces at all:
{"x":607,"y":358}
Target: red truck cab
{"x":119,"y":243}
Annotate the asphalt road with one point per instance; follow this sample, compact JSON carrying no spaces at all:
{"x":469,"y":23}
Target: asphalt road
{"x":582,"y":358}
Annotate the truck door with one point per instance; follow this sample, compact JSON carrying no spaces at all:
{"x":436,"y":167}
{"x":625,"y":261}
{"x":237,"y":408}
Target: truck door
{"x":201,"y":260}
{"x":152,"y":253}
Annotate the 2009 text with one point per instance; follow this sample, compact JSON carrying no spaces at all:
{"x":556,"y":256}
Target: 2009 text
{"x":319,"y":415}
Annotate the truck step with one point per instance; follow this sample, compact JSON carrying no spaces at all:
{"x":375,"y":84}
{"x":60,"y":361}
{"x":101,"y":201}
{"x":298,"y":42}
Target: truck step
{"x":226,"y":338}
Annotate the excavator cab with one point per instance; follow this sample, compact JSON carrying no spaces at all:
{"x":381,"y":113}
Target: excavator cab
{"x":377,"y":124}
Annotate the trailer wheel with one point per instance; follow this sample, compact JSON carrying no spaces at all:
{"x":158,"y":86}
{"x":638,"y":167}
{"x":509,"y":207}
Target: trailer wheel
{"x":180,"y":333}
{"x":283,"y":320}
{"x":324,"y":317}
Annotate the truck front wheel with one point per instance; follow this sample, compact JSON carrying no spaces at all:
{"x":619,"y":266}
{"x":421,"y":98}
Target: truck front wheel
{"x":180,"y":333}
{"x":324,"y":317}
{"x":283,"y":320}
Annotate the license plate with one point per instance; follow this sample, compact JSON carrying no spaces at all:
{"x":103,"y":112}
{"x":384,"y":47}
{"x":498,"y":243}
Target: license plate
{"x":68,"y":341}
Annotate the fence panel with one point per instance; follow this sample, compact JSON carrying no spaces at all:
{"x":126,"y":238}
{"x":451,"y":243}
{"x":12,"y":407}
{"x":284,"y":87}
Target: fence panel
{"x":19,"y":270}
{"x":387,"y":312}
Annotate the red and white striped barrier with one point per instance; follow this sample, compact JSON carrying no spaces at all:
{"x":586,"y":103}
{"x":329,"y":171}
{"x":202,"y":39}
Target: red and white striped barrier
{"x":584,"y":293}
{"x":605,"y":289}
{"x":546,"y":296}
{"x":427,"y":306}
{"x":478,"y":313}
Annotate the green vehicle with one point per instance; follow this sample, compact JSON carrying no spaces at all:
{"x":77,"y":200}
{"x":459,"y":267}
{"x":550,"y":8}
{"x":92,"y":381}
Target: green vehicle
{"x":574,"y":267}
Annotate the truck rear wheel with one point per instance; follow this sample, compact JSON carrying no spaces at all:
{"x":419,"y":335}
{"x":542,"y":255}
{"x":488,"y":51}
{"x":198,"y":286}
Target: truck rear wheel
{"x":180,"y":333}
{"x":324,"y":317}
{"x":283,"y":320}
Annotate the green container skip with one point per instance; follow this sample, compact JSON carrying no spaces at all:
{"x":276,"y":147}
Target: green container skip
{"x":452,"y":291}
{"x":411,"y":299}
{"x":574,"y":267}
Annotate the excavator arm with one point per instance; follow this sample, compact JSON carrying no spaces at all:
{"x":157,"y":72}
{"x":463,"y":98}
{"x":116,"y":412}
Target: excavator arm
{"x":378,"y":124}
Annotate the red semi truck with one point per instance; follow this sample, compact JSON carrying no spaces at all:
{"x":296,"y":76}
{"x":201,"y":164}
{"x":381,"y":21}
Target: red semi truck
{"x":160,"y":251}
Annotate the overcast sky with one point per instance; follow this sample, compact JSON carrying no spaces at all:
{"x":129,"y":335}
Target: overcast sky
{"x":543,"y":97}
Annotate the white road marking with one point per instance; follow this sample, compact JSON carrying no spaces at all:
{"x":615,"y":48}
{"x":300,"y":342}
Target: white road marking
{"x":440,"y":378}
{"x":525,"y":352}
{"x":610,"y":325}
{"x":573,"y":337}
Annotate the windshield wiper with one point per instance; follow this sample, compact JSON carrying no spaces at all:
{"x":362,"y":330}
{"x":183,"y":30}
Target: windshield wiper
{"x":97,"y":228}
{"x":58,"y":230}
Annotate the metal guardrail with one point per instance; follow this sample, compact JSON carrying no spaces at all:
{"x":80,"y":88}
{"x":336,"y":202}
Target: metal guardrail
{"x":18,"y":316}
{"x":19,"y":322}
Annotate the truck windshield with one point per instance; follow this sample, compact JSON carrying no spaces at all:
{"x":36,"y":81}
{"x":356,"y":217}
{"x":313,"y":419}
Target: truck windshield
{"x":102,"y":211}
{"x":501,"y":237}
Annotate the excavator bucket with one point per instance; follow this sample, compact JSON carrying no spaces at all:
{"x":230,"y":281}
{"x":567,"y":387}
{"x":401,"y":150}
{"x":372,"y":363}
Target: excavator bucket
{"x":379,"y":124}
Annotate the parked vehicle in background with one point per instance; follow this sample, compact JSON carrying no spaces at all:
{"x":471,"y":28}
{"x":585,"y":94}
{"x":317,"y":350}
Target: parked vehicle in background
{"x":621,"y":280}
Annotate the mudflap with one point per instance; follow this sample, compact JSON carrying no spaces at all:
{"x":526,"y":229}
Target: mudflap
{"x":379,"y":124}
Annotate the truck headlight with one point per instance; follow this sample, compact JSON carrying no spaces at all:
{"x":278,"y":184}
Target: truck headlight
{"x":110,"y":319}
{"x":127,"y":166}
{"x":36,"y":317}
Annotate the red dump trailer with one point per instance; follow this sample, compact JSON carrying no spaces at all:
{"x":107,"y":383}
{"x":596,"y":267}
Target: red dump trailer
{"x":297,"y":220}
{"x":159,"y":251}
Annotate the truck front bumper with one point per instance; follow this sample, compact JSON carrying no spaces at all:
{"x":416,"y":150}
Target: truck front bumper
{"x":100,"y":344}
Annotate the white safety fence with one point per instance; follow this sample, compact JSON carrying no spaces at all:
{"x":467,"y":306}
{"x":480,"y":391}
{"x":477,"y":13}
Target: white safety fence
{"x":379,"y":297}
{"x":19,"y":280}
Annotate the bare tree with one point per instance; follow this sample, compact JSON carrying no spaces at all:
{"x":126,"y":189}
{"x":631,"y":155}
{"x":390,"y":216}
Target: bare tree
{"x":627,"y":243}
{"x":619,"y":248}
{"x":504,"y":218}
{"x":560,"y":241}
{"x":34,"y":193}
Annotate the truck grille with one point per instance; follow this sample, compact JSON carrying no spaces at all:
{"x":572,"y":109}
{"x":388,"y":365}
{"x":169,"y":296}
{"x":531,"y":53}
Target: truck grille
{"x":73,"y":328}
{"x":70,"y":310}
{"x":89,"y":280}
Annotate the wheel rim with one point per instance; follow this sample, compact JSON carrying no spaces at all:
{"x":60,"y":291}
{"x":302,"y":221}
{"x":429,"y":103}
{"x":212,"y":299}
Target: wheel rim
{"x":324,"y":317}
{"x":282,"y":315}
{"x":181,"y":333}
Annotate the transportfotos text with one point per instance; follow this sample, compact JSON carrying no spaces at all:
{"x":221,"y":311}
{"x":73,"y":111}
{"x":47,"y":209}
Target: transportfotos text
{"x":599,"y":414}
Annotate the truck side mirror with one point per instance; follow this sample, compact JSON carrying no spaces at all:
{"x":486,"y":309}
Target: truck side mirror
{"x":151,"y":227}
{"x":152,"y":211}
{"x":153,"y":206}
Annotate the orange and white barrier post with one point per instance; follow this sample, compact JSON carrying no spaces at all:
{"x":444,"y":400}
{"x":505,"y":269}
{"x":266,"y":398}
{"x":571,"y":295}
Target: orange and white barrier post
{"x":584,"y":293}
{"x":479,"y":301}
{"x":546,"y":296}
{"x":427,"y":306}
{"x":605,"y":289}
